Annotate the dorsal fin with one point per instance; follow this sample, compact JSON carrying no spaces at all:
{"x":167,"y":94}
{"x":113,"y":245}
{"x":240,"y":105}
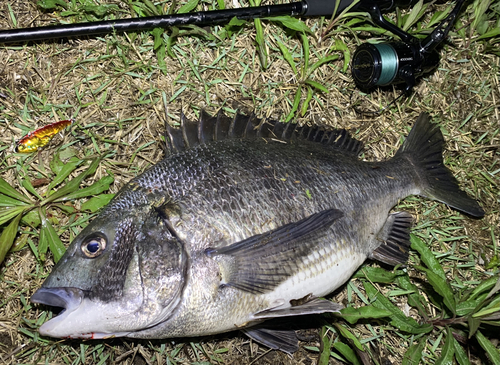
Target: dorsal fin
{"x":215,"y":128}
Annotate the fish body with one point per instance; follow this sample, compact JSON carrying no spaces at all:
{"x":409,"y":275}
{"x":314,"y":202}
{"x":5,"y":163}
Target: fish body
{"x":225,"y":233}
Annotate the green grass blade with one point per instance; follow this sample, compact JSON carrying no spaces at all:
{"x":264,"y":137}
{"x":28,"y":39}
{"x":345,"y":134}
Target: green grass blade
{"x":295,"y":105}
{"x":286,"y":55}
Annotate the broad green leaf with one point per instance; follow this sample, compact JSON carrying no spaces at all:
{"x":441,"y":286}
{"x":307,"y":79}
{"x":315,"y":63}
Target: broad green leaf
{"x":438,"y":16}
{"x":8,"y":236}
{"x":467,"y":306}
{"x":492,"y":307}
{"x":448,"y":350}
{"x":491,"y":350}
{"x":64,"y":172}
{"x":427,"y":256}
{"x":460,"y":354}
{"x":352,"y":315}
{"x":347,"y":334}
{"x":286,"y":55}
{"x":415,"y":299}
{"x":480,"y":7}
{"x":295,"y":105}
{"x":28,"y":186}
{"x":49,"y":239}
{"x":7,"y":213}
{"x":51,"y":4}
{"x":316,"y":85}
{"x":31,"y":218}
{"x":442,"y":287}
{"x":347,"y":353}
{"x":189,"y":6}
{"x":324,"y":357}
{"x":377,"y":274}
{"x":97,"y":202}
{"x":291,"y":23}
{"x":398,"y":318}
{"x":495,"y":289}
{"x":473,"y":325}
{"x":413,"y":355}
{"x":415,"y":14}
{"x":483,"y":286}
{"x":73,"y":184}
{"x":7,"y":201}
{"x":94,"y":189}
{"x":8,"y":190}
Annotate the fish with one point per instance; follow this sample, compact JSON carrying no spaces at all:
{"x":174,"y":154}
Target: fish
{"x":244,"y":221}
{"x":40,"y":137}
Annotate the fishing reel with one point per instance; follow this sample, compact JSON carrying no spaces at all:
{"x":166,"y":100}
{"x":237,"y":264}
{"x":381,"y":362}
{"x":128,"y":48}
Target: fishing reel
{"x":393,"y":63}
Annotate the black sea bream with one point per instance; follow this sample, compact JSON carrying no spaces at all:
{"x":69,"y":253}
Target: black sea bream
{"x":242,"y":222}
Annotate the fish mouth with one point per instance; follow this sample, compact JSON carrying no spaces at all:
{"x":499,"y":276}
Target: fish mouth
{"x":68,"y":299}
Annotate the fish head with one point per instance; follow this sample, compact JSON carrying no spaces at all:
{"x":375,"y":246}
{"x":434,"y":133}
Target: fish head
{"x":120,"y":275}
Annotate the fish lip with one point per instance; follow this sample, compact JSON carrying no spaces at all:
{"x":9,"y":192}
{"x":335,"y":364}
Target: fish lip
{"x":67,"y":298}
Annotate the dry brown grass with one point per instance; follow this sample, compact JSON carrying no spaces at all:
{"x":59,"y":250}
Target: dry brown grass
{"x":114,"y":88}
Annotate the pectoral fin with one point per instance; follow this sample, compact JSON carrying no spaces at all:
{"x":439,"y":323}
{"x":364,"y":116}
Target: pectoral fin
{"x":284,"y":340}
{"x":260,"y":263}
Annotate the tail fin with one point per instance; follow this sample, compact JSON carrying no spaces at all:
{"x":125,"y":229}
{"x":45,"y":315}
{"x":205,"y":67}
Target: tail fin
{"x":424,"y":147}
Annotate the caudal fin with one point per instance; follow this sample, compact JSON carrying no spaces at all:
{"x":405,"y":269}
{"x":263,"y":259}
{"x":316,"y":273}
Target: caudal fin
{"x":424,"y":147}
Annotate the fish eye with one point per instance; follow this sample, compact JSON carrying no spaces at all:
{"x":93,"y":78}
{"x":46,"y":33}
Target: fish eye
{"x":94,"y":246}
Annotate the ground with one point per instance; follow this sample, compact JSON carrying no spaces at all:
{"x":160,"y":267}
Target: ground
{"x":118,"y":88}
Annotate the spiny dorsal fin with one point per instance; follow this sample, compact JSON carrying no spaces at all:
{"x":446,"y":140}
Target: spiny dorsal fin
{"x":220,"y":127}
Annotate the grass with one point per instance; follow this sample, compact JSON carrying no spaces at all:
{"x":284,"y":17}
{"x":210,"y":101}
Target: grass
{"x":118,"y":86}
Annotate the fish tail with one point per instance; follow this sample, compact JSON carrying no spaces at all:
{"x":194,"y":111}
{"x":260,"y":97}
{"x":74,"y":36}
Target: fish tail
{"x":424,"y":148}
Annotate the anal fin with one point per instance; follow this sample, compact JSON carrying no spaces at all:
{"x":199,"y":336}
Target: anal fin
{"x":395,"y":237}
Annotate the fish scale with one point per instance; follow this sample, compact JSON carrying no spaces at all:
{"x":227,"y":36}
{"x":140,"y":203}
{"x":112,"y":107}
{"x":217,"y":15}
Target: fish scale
{"x":242,"y":222}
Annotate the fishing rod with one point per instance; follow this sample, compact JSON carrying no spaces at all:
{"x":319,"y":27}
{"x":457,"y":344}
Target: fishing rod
{"x":306,"y":8}
{"x":373,"y":64}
